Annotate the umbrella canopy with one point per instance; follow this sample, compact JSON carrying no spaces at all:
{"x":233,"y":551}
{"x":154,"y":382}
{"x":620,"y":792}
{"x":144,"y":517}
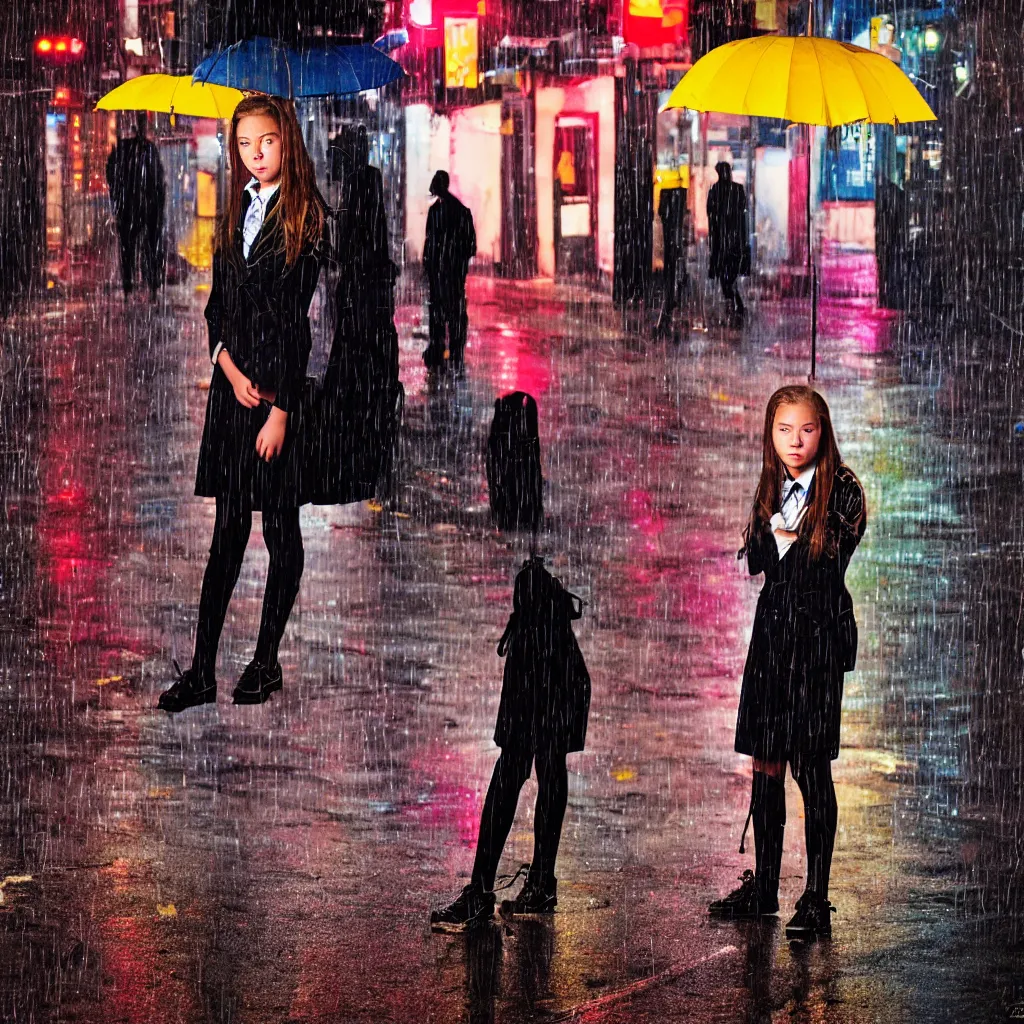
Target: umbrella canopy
{"x":803,"y":79}
{"x":266,"y":65}
{"x":169,"y":94}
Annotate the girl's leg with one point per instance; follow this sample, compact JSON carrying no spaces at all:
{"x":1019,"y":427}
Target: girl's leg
{"x":552,"y":797}
{"x":814,"y":777}
{"x":510,"y":773}
{"x":287,"y":560}
{"x":230,"y":536}
{"x":768,"y":812}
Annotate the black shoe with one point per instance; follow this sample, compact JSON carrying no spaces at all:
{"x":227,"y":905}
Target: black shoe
{"x":191,"y":689}
{"x":258,"y":682}
{"x":813,"y":918}
{"x":745,"y":902}
{"x":534,"y":898}
{"x":472,"y":906}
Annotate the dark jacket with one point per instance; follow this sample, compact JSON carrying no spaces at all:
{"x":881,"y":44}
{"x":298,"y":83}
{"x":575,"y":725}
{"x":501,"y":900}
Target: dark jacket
{"x":805,"y":635}
{"x":450,"y":242}
{"x":259,"y":310}
{"x":727,"y":230}
{"x":545,"y":695}
{"x":135,"y":180}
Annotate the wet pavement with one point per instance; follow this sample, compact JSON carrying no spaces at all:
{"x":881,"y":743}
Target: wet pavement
{"x":279,"y":863}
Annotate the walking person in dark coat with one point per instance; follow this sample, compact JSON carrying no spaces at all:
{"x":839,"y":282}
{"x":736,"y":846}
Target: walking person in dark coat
{"x":135,"y":179}
{"x":808,"y":517}
{"x":545,"y":703}
{"x":728,"y":238}
{"x":265,"y":271}
{"x":449,"y":246}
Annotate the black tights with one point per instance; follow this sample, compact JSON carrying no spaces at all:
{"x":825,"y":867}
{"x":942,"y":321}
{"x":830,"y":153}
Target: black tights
{"x":510,"y":773}
{"x":768,"y":811}
{"x":230,"y":537}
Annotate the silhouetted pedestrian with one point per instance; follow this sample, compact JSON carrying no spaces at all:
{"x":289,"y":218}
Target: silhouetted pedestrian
{"x":808,"y":517}
{"x":728,"y":237}
{"x":352,"y":432}
{"x":545,"y":704}
{"x":450,"y":245}
{"x":672,"y":211}
{"x":265,"y":271}
{"x":135,"y":179}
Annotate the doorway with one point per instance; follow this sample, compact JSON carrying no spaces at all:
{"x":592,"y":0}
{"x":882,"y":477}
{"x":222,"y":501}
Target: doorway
{"x":575,"y":194}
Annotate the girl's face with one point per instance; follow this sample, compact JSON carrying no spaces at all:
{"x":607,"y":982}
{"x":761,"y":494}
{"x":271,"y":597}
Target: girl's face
{"x":258,"y":138}
{"x":796,"y":434}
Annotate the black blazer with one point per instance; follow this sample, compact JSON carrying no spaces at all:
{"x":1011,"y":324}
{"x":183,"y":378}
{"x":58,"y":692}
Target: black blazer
{"x":259,"y":310}
{"x":805,"y":634}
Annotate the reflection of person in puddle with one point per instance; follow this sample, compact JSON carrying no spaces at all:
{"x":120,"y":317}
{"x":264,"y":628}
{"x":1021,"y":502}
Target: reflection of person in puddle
{"x":808,"y":517}
{"x":483,"y":972}
{"x":545,"y":703}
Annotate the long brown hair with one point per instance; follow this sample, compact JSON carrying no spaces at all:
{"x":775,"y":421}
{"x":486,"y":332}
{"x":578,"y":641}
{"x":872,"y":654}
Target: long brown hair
{"x":814,"y":525}
{"x":300,"y":208}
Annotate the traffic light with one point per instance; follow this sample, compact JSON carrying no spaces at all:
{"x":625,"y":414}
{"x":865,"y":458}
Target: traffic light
{"x":59,"y":49}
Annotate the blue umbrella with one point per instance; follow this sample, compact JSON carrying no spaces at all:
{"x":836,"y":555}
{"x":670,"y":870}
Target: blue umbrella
{"x":266,"y":65}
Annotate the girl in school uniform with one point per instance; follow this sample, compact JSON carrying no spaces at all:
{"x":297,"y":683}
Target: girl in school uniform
{"x":808,"y":517}
{"x":265,"y":270}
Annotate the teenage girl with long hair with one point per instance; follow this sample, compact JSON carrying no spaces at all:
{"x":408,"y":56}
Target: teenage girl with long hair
{"x":808,"y":517}
{"x":265,"y":270}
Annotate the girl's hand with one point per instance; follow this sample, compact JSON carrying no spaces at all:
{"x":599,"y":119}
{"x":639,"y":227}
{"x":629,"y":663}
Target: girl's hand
{"x":270,"y":439}
{"x":246,"y":394}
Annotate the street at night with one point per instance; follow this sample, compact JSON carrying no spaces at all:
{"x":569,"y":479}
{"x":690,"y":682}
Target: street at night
{"x":512,"y":512}
{"x":280,"y":862}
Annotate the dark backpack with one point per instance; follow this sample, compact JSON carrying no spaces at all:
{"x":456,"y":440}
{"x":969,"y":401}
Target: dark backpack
{"x":545,"y":694}
{"x":514,"y":477}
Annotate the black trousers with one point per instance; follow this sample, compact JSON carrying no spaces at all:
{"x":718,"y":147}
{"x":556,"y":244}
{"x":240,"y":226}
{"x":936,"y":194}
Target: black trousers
{"x":768,"y":811}
{"x":672,"y":255}
{"x":449,"y":322}
{"x":510,"y":773}
{"x":287,"y":558}
{"x":730,"y":292}
{"x":131,"y":231}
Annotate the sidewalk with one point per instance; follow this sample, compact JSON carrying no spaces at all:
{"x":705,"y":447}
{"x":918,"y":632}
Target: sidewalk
{"x":279,"y":863}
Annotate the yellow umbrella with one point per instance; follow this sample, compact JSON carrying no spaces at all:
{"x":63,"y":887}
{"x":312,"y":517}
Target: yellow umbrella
{"x":169,"y":94}
{"x":804,"y":79}
{"x":801,"y":78}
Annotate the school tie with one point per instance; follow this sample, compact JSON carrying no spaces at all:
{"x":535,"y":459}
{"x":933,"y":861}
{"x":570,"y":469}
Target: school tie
{"x":253,"y":223}
{"x":795,"y":491}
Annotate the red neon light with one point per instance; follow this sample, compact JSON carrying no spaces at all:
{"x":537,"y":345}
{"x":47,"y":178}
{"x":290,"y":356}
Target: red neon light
{"x":77,"y":46}
{"x":44,"y":45}
{"x":61,"y":45}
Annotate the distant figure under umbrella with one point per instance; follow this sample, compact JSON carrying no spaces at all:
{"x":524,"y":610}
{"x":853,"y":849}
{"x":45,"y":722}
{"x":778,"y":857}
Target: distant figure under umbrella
{"x":450,"y":245}
{"x":728,"y":237}
{"x":135,"y":178}
{"x":545,"y":704}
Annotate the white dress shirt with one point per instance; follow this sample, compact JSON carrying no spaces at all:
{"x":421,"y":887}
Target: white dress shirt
{"x":258,"y":204}
{"x":794,"y":505}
